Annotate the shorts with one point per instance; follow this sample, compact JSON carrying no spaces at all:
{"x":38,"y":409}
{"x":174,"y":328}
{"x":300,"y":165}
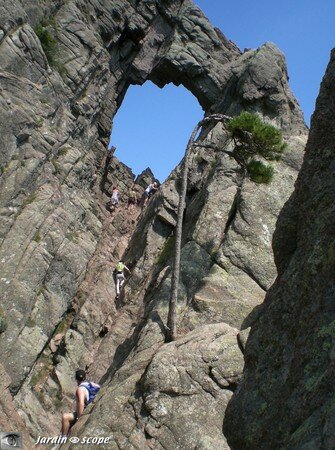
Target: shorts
{"x":75,"y":415}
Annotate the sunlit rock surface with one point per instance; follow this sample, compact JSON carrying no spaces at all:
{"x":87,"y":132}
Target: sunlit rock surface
{"x":59,"y":240}
{"x":289,"y":378}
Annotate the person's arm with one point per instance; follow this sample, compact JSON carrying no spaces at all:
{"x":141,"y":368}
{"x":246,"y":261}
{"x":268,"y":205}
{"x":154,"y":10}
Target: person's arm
{"x":81,"y":396}
{"x":127,"y":269}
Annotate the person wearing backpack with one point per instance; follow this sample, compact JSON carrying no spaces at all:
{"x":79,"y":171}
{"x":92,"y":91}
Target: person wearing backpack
{"x":119,"y":276}
{"x":132,"y":198}
{"x":85,"y":394}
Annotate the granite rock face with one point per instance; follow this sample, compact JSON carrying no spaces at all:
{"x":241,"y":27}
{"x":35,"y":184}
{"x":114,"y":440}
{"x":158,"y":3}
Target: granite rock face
{"x":289,"y":373}
{"x":65,"y":67}
{"x":168,"y":406}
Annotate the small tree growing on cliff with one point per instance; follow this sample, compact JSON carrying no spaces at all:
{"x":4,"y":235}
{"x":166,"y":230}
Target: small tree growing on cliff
{"x":252,"y":138}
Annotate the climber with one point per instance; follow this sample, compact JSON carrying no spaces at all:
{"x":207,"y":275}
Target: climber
{"x":85,"y":393}
{"x":150,"y":190}
{"x":119,"y":276}
{"x":115,"y":198}
{"x":132,"y":198}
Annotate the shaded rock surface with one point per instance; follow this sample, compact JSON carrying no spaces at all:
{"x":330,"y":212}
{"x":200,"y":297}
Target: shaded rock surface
{"x":167,"y":407}
{"x":59,"y":242}
{"x":289,"y":374}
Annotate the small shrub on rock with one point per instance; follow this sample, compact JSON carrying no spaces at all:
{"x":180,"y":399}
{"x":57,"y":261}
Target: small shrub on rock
{"x":37,"y":237}
{"x":245,"y":121}
{"x":256,"y":137}
{"x":260,"y":172}
{"x":48,"y":42}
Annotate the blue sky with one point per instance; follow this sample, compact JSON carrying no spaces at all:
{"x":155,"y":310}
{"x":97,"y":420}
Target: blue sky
{"x":153,"y":125}
{"x":302,"y":29}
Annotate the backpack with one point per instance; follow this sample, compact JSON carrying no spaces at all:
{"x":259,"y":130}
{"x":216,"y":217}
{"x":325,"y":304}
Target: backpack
{"x":93,"y":389}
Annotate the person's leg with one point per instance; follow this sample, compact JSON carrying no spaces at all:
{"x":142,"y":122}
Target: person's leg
{"x":117,"y":285}
{"x":145,"y":199}
{"x":68,"y":420}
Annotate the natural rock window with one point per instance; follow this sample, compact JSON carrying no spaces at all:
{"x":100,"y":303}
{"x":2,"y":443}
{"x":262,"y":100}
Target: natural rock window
{"x":152,"y":127}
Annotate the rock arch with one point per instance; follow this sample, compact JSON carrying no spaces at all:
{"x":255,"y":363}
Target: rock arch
{"x":55,"y":118}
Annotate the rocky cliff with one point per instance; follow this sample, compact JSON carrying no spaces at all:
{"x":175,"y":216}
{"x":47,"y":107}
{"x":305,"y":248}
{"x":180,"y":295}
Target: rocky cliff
{"x":289,"y":374}
{"x":65,"y":67}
